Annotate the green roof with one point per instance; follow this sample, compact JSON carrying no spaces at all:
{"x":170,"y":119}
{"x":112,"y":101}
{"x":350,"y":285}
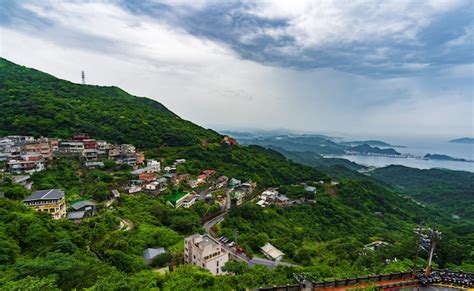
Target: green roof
{"x":173,"y":198}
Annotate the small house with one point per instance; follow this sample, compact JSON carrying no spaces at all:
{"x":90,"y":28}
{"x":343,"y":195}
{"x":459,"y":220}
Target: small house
{"x":150,"y":253}
{"x":180,"y":199}
{"x":85,"y":205}
{"x":272,"y":252}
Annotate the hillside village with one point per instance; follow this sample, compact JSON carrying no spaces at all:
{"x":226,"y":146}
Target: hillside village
{"x":24,"y":156}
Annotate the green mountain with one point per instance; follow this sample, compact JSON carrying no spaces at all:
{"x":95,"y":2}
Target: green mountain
{"x":367,"y":149}
{"x":442,"y":158}
{"x":376,"y":143}
{"x":317,"y":144}
{"x":39,"y":104}
{"x":446,"y":190}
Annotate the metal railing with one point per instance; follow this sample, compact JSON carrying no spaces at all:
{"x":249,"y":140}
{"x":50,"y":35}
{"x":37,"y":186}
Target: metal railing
{"x":360,"y":280}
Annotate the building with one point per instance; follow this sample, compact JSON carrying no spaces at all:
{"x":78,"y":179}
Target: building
{"x":181,"y":199}
{"x":140,"y":159}
{"x":150,"y":253}
{"x":128,"y":158}
{"x":51,"y":201}
{"x":229,"y":140}
{"x":78,"y":216}
{"x":102,"y":145}
{"x":147,"y":177}
{"x":85,"y":205}
{"x":376,"y":245}
{"x":20,"y":139}
{"x":282,"y":200}
{"x":94,"y":165}
{"x":152,"y":166}
{"x":115,"y":193}
{"x":237,"y":197}
{"x":90,"y":154}
{"x":157,"y":185}
{"x":80,"y":137}
{"x":310,"y":188}
{"x":23,"y":180}
{"x":272,"y":252}
{"x":89,"y":144}
{"x":71,"y":148}
{"x":42,"y":146}
{"x":27,"y":164}
{"x":233,"y":182}
{"x":205,"y":252}
{"x":188,"y":201}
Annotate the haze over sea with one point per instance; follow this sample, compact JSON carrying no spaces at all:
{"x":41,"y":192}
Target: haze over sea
{"x":420,"y":147}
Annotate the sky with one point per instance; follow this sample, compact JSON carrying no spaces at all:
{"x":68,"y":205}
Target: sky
{"x":362,"y":67}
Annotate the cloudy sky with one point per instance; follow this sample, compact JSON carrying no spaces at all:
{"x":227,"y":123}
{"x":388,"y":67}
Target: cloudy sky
{"x":360,"y":67}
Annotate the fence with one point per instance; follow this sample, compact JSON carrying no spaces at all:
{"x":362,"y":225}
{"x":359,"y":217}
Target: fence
{"x":347,"y":282}
{"x":360,"y":280}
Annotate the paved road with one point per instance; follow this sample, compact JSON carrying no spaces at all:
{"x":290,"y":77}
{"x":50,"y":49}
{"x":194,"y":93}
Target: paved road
{"x":227,"y":202}
{"x":207,"y":226}
{"x":218,"y":219}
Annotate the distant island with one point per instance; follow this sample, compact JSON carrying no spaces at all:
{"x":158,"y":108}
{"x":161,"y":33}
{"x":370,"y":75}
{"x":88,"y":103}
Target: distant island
{"x":374,"y":143}
{"x":443,"y":158}
{"x":369,"y":150}
{"x":466,"y":140}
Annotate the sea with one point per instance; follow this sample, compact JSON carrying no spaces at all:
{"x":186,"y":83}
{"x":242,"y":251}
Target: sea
{"x":419,"y":147}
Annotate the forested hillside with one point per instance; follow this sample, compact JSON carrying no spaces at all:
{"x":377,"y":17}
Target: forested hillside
{"x":35,"y":103}
{"x":451,"y":191}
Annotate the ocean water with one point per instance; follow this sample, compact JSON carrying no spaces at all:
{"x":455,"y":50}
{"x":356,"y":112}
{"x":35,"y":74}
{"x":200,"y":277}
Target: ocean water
{"x":420,"y":147}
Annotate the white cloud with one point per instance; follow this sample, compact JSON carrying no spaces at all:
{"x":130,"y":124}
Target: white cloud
{"x":328,"y":22}
{"x":466,"y":38}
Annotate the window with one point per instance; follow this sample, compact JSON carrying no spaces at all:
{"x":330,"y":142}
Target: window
{"x":217,"y":271}
{"x":218,"y":263}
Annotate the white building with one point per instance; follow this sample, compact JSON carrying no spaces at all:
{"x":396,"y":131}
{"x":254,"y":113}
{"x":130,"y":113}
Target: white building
{"x":205,"y":252}
{"x":152,"y":166}
{"x":272,"y":252}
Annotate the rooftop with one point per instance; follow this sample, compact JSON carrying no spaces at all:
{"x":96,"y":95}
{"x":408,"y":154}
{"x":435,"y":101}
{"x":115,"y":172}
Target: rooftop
{"x":173,"y":198}
{"x":76,"y":215}
{"x":51,"y":194}
{"x":151,"y":253}
{"x":206,"y":241}
{"x":272,"y":251}
{"x":80,"y":204}
{"x":19,"y":179}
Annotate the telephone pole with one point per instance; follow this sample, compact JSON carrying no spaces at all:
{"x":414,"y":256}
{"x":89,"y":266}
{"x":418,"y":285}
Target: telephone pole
{"x":435,"y":236}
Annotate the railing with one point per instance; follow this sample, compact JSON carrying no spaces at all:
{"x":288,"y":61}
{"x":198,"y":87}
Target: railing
{"x":347,"y":282}
{"x":288,"y":287}
{"x":360,"y":280}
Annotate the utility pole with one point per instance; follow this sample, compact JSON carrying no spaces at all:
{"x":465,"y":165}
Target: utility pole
{"x":83,"y":78}
{"x":435,"y":235}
